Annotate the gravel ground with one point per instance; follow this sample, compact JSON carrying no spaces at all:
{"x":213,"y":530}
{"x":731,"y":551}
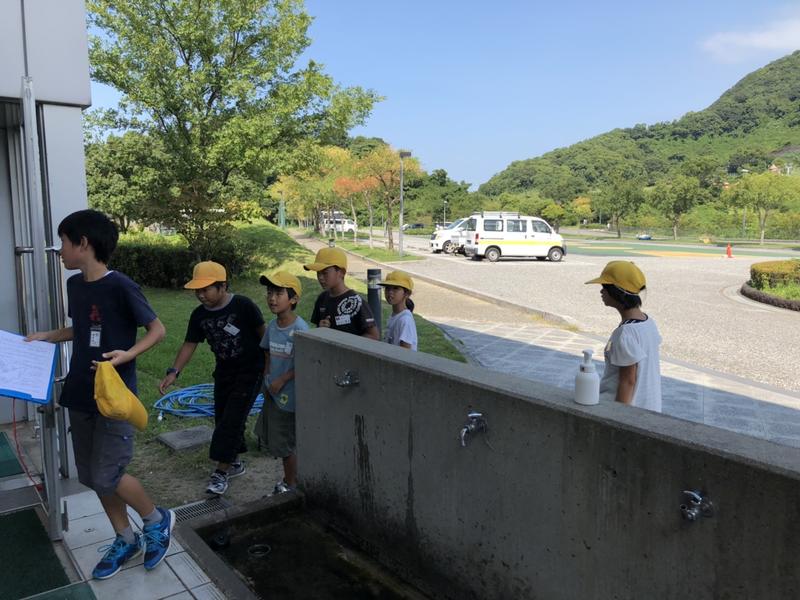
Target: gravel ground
{"x":695,"y":301}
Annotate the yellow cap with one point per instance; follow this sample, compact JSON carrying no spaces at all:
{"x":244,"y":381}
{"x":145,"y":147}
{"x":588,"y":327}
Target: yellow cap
{"x":206,"y":273}
{"x":400,"y":279}
{"x":282,"y":279}
{"x":623,"y":274}
{"x":328,"y":257}
{"x":115,"y":400}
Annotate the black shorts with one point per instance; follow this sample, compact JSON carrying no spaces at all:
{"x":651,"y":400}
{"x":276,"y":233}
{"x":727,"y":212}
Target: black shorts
{"x":103,"y":448}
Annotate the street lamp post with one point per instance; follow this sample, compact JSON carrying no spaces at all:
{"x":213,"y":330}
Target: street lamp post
{"x":444,"y":215}
{"x":403,"y":154}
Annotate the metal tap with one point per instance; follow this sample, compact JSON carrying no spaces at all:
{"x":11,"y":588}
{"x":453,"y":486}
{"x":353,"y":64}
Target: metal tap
{"x":475,"y":424}
{"x":697,"y":506}
{"x":350,"y":378}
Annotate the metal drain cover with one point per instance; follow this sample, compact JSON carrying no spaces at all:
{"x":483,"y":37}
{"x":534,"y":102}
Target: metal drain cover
{"x":200,"y":508}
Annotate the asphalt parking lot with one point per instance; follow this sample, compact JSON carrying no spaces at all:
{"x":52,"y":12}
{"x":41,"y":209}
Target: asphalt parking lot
{"x":693,"y":296}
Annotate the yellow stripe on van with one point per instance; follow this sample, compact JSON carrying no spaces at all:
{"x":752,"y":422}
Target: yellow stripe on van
{"x":484,"y":242}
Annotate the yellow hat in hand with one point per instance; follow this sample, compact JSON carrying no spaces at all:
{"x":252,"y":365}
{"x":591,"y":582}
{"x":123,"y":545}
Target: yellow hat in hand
{"x":115,"y":400}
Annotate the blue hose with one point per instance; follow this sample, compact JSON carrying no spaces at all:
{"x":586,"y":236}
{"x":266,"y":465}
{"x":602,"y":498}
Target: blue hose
{"x":195,"y":401}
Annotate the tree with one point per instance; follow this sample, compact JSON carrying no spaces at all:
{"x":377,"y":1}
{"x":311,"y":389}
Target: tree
{"x":619,"y":198}
{"x":383,"y":164}
{"x":125,"y":174}
{"x":216,"y":83}
{"x":677,"y":197}
{"x":764,"y":193}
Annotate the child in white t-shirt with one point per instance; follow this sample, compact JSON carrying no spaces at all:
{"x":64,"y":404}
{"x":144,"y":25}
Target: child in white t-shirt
{"x":632,"y":371}
{"x":401,"y":329}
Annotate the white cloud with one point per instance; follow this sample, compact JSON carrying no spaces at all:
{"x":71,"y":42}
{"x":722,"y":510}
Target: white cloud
{"x":778,"y":37}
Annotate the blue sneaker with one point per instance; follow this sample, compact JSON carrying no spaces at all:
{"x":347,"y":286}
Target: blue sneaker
{"x":116,"y":554}
{"x":157,"y":538}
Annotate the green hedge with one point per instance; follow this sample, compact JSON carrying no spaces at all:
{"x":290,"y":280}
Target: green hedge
{"x":165,"y":264}
{"x":774,"y":273}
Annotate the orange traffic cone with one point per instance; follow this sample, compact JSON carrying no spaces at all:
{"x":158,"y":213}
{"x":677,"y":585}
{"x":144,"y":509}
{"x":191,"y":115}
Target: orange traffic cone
{"x":729,"y":251}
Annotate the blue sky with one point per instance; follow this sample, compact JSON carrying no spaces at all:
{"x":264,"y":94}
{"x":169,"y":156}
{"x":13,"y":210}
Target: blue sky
{"x":471,"y":86}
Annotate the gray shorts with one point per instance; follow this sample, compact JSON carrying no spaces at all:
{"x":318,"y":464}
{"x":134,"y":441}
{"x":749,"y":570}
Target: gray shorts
{"x":275,"y":427}
{"x":103,"y":448}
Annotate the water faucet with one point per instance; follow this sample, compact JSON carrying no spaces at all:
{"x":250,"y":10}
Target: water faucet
{"x":698,"y":506}
{"x":475,"y":424}
{"x":350,"y":378}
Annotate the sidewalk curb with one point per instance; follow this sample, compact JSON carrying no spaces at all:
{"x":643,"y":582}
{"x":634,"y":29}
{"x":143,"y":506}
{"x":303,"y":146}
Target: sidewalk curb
{"x":560,"y":320}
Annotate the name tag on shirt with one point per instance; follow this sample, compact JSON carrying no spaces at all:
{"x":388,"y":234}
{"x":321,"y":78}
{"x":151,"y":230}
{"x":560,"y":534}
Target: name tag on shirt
{"x":342,"y":319}
{"x":94,"y":336}
{"x":231,"y":329}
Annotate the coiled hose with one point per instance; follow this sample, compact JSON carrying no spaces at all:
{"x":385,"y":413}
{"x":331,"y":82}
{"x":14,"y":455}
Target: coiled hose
{"x":195,"y":401}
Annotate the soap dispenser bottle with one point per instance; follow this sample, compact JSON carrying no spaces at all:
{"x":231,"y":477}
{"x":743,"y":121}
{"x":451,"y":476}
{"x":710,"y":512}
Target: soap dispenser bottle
{"x":587,"y":382}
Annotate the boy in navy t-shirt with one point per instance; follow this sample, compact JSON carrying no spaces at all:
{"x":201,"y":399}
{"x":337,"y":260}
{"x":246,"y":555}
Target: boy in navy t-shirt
{"x":106,"y":309}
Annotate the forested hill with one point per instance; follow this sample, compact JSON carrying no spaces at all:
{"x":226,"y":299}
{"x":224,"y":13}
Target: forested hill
{"x":752,"y":123}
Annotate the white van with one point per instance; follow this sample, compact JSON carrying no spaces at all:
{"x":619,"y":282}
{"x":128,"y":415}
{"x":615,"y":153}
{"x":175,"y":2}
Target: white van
{"x":340,"y":225}
{"x":450,"y":238}
{"x":497,"y":234}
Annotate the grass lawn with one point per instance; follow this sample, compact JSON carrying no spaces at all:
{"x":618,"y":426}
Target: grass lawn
{"x":378,"y":253}
{"x":277,"y":250}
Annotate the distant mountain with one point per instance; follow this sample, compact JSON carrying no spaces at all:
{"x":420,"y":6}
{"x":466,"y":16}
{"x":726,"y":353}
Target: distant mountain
{"x":750,"y":124}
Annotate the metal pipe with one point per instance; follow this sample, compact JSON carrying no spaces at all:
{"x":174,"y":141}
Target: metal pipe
{"x":41,"y":296}
{"x":374,"y":296}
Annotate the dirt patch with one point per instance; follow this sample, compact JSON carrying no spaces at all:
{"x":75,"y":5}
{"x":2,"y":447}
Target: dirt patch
{"x":175,"y":478}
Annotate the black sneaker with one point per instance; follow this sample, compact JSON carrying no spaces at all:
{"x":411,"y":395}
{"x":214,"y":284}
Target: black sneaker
{"x":236,"y":469}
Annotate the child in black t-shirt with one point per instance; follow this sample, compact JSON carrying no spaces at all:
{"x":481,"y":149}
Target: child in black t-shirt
{"x":107,"y":309}
{"x":339,"y":307}
{"x":233,"y":327}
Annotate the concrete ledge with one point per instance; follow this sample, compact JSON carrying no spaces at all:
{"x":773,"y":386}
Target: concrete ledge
{"x":759,"y":296}
{"x":563,"y":502}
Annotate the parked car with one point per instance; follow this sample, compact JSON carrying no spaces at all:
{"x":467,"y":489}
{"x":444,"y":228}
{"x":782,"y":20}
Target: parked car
{"x":492,"y":235}
{"x":408,"y":226}
{"x":450,"y":239}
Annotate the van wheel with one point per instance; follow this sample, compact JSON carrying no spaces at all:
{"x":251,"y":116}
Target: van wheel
{"x":448,"y":248}
{"x":493,"y":254}
{"x":555,"y":254}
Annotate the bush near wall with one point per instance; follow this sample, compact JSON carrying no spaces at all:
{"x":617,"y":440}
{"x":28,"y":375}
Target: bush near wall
{"x":773,"y":273}
{"x":156,"y":262}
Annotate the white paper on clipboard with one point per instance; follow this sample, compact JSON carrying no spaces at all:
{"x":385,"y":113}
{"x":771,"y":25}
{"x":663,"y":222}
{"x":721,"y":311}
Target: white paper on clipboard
{"x":26,"y":368}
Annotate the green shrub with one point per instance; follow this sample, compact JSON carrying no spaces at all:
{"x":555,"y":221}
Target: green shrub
{"x":774,"y":273}
{"x":167,"y":262}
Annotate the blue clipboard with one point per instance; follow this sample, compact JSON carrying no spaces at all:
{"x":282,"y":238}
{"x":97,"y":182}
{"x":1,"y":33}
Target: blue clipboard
{"x":12,"y":393}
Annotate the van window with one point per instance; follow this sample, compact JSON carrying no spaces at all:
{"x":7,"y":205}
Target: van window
{"x":471,"y":224}
{"x":492,"y":225}
{"x":541,"y":227}
{"x":517,"y":226}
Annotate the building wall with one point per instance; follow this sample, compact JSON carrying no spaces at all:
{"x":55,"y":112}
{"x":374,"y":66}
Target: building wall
{"x":54,"y":41}
{"x":564,"y":502}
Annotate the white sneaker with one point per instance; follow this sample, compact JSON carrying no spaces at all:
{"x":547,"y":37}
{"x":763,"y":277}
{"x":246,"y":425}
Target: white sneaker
{"x":281,"y":488}
{"x":218,"y":484}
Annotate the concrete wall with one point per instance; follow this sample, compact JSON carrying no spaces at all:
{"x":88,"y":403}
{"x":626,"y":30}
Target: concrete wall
{"x":50,"y":35}
{"x":569,"y":502}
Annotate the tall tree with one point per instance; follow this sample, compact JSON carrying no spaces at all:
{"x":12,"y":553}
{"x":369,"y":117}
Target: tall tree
{"x":125,"y":174}
{"x":383,"y":164}
{"x":677,"y":197}
{"x":765,"y":193}
{"x":216,"y":82}
{"x":619,"y":198}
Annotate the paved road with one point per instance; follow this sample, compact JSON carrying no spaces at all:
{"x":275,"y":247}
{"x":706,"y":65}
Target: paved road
{"x":694,"y":300}
{"x":512,"y":340}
